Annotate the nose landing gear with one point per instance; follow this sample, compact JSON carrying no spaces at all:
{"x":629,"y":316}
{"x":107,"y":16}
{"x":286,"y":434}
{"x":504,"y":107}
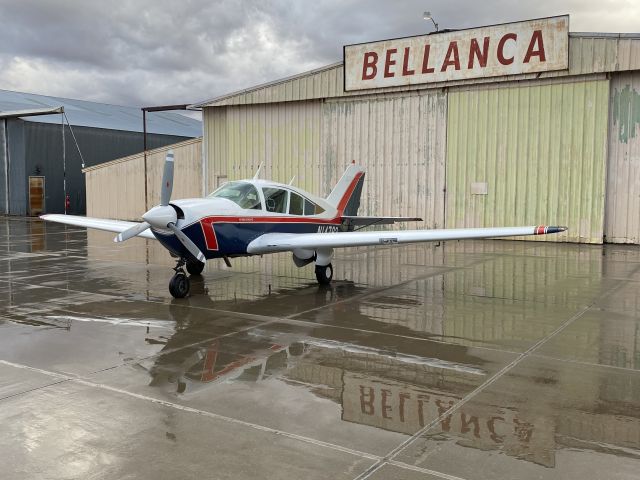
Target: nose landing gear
{"x":180,"y":285}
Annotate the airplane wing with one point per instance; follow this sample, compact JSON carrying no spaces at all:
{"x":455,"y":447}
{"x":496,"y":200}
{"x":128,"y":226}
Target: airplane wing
{"x":368,"y":221}
{"x":97,"y":223}
{"x":283,"y":242}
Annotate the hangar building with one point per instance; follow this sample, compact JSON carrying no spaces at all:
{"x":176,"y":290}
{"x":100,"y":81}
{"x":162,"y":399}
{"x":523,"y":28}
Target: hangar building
{"x":495,"y":137}
{"x":34,"y":159}
{"x":467,"y":128}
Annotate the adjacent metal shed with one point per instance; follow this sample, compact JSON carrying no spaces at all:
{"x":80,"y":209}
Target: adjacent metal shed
{"x":558,"y":147}
{"x":34,"y":151}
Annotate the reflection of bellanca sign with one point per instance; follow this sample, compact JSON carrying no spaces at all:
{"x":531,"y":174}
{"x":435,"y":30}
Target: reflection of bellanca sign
{"x":508,"y":49}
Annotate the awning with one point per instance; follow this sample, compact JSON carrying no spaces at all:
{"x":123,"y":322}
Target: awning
{"x":31,"y":112}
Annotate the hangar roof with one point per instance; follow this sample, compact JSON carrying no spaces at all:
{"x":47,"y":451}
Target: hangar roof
{"x":588,"y":53}
{"x":100,"y":115}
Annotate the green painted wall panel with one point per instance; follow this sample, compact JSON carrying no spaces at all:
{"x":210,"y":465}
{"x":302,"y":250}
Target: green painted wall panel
{"x":540,"y":149}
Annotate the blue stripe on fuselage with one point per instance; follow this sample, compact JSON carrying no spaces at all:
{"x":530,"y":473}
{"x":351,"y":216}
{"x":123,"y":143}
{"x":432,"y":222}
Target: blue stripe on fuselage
{"x":233,"y":238}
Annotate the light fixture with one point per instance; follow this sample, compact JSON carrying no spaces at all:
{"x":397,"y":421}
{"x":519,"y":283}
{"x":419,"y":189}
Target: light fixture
{"x":427,"y":16}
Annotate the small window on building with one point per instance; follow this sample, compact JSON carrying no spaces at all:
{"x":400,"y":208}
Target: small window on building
{"x":296,"y":204}
{"x":275,"y":200}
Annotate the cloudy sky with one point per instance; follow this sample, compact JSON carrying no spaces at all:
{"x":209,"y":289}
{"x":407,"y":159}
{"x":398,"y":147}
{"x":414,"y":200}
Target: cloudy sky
{"x":152,"y":52}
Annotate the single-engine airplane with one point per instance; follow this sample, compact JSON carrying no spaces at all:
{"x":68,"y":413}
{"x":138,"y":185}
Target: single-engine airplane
{"x":254,"y":217}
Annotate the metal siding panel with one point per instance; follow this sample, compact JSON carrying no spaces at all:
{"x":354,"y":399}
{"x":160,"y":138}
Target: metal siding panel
{"x":400,"y":140}
{"x":282,"y":136}
{"x":17,"y":170}
{"x":622,"y":217}
{"x":116,"y":190}
{"x":4,"y":168}
{"x":541,"y":149}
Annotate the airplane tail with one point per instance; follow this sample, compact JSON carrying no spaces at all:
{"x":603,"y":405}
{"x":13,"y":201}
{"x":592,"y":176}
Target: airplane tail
{"x":345,"y":196}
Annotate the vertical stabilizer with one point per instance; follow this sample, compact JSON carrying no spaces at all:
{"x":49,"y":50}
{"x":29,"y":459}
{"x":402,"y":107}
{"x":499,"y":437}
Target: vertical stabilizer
{"x":345,"y":196}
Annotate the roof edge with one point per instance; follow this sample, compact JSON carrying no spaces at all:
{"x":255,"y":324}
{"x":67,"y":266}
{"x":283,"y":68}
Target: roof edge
{"x":207,"y":103}
{"x":141,"y":154}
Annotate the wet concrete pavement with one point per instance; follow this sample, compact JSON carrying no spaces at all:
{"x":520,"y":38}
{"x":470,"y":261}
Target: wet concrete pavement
{"x":471,"y":360}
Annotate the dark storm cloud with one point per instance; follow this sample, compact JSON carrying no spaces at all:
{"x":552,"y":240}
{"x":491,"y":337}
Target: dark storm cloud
{"x":148,"y":52}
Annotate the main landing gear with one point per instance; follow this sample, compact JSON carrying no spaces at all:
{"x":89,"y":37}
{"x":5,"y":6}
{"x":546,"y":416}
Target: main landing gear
{"x":195,"y":267}
{"x":324,"y":274}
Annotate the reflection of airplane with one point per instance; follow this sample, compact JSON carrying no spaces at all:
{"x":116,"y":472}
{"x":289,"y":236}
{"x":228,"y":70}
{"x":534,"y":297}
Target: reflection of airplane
{"x":253,"y":217}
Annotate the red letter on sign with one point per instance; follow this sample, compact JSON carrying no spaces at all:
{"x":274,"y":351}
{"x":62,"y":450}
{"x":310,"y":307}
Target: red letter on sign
{"x":389,"y":63}
{"x":425,"y":60}
{"x":503,"y":40}
{"x":536,"y":38}
{"x":452,"y":50}
{"x":405,"y":63}
{"x":474,"y":50}
{"x":370,"y":60}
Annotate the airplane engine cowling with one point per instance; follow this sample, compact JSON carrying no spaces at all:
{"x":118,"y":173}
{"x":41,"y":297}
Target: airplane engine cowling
{"x":302,"y":257}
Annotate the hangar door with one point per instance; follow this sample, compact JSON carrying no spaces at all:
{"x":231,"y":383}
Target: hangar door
{"x":400,"y":139}
{"x":622,"y":219}
{"x":529,"y":155}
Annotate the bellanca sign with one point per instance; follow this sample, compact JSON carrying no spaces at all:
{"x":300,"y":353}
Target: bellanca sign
{"x":509,"y":49}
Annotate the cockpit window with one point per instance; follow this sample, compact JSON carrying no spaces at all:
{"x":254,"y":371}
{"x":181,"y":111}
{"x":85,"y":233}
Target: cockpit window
{"x":275,"y":199}
{"x":296,"y":204}
{"x":244,"y":194}
{"x":301,"y":206}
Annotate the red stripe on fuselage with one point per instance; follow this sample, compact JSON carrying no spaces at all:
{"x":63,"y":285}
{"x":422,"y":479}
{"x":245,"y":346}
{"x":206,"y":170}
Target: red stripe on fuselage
{"x":210,"y":234}
{"x":347,"y":196}
{"x":540,"y":230}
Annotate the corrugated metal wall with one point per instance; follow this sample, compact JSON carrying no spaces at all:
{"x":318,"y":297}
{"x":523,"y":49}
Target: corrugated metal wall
{"x":116,"y":189}
{"x":4,"y":168}
{"x":540,"y":149}
{"x":622,"y":217}
{"x":18,"y":194}
{"x":285,"y":137}
{"x":400,"y":139}
{"x":394,"y":136}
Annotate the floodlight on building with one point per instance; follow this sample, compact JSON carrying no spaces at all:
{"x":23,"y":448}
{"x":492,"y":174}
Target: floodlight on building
{"x":428,"y":16}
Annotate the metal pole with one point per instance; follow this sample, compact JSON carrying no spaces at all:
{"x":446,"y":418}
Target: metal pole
{"x":144,"y":140}
{"x":64,"y":163}
{"x":6,"y":164}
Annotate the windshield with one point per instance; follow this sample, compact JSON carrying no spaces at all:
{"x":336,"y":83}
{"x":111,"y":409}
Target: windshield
{"x":244,"y":194}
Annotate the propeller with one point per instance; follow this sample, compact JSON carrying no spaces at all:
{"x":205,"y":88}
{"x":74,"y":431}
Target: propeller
{"x":163,"y":216}
{"x":131,"y":232}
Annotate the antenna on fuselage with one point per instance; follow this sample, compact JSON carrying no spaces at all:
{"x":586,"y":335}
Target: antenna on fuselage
{"x":255,"y":177}
{"x":292,"y":179}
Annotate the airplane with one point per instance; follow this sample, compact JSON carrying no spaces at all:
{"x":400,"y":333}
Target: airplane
{"x":256,"y":217}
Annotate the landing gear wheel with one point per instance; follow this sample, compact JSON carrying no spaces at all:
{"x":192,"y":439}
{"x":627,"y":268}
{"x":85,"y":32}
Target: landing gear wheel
{"x":195,"y":268}
{"x":324,"y":274}
{"x":179,"y":285}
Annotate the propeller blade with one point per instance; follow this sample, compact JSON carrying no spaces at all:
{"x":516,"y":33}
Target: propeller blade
{"x":167,"y":179}
{"x":131,"y":232}
{"x":186,"y":241}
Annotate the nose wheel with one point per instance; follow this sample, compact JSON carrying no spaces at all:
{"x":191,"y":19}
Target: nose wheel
{"x":179,"y":286}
